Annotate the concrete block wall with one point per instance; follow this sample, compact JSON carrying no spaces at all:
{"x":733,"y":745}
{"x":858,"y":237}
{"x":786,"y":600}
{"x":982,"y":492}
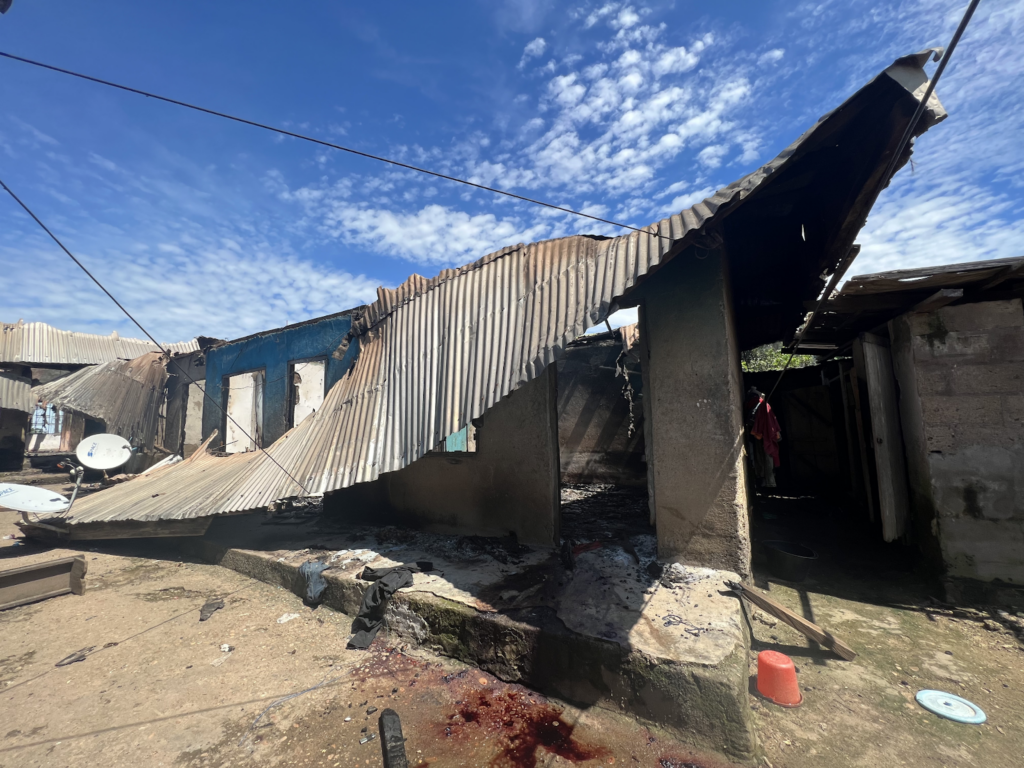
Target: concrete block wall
{"x":273,"y":352}
{"x":961,"y":375}
{"x":510,"y":484}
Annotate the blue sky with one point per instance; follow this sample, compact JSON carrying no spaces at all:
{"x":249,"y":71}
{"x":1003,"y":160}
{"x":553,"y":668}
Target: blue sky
{"x":631,"y":111}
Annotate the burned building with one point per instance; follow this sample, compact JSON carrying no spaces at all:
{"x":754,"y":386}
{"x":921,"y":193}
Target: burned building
{"x":270,"y":381}
{"x":42,"y":355}
{"x":474,"y":347}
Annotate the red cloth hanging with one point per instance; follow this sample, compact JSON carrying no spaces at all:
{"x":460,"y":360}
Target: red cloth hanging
{"x":766,"y":429}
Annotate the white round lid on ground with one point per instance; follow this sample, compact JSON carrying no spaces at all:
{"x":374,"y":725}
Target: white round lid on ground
{"x":951,"y":707}
{"x":103,"y":451}
{"x":28,"y":498}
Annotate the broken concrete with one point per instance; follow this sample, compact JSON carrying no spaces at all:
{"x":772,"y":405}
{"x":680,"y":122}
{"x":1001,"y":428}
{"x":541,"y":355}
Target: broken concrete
{"x":605,"y":635}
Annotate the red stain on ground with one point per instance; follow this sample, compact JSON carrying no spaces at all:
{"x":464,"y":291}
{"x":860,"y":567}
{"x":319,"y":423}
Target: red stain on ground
{"x":523,"y":725}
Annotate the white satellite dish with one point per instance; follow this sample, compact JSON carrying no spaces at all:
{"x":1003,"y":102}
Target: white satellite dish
{"x":103,"y":451}
{"x":28,"y":498}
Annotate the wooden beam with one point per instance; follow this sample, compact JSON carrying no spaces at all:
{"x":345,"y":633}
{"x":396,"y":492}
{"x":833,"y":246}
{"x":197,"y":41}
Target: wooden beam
{"x":1004,"y":274}
{"x":890,"y":462}
{"x":32,"y":583}
{"x":939,"y":299}
{"x":902,"y":279}
{"x":797,"y":622}
{"x":869,"y":494}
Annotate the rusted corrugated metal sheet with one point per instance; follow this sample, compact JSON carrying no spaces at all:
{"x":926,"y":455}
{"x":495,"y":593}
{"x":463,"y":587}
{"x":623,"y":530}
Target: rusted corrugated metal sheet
{"x":42,"y":344}
{"x":16,"y":392}
{"x":435,"y":354}
{"x":125,"y":395}
{"x":173,"y":492}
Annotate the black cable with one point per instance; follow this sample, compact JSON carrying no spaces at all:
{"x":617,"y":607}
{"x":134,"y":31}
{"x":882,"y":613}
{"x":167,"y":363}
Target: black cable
{"x":149,"y":336}
{"x":323,"y":143}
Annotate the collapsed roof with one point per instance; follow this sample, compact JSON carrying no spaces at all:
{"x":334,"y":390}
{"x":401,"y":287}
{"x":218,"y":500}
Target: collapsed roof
{"x":40,"y":344}
{"x":16,"y":392}
{"x":125,"y":395}
{"x":435,"y":354}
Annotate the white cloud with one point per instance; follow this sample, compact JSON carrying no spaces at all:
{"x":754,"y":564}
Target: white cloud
{"x":626,"y":18}
{"x":533,"y":49}
{"x":771,"y":57}
{"x":711,"y":156}
{"x":688,"y":200}
{"x":432,"y":235}
{"x":196,"y":286}
{"x":962,"y":198}
{"x":612,"y":123}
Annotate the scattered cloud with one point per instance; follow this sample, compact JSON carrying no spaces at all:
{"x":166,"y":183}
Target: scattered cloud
{"x":533,"y":49}
{"x":774,"y":56}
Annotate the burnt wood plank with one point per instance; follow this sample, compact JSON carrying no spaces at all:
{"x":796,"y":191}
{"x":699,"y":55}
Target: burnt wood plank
{"x":31,"y":583}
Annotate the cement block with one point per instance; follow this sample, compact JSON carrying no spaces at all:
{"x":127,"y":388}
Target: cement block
{"x":972,"y":347}
{"x":1006,"y":344}
{"x":973,"y":410}
{"x":988,"y":379}
{"x":979,"y":482}
{"x":989,"y":437}
{"x":983,"y":549}
{"x":700,"y":695}
{"x":939,"y":438}
{"x":933,"y":379}
{"x":982,"y":316}
{"x":1013,"y":411}
{"x":693,"y":396}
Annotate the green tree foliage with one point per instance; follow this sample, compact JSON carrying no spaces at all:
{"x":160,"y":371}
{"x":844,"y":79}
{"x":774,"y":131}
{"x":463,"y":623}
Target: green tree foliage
{"x":770,"y":357}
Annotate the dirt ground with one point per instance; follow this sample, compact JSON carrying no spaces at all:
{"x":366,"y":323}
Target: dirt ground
{"x":875,"y":598}
{"x":156,"y":688}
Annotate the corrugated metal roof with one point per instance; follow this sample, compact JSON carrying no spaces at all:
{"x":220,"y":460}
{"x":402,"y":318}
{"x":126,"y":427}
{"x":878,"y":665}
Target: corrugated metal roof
{"x":173,"y":492}
{"x":868,"y":301}
{"x":16,"y":392}
{"x":435,"y":354}
{"x":939,"y":276}
{"x":125,"y":395}
{"x":42,"y":344}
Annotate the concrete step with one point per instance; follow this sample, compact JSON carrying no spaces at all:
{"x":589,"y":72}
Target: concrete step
{"x":696,"y":688}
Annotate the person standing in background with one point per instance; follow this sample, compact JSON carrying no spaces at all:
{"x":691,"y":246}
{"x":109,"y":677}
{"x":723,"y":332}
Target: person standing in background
{"x":763,"y":437}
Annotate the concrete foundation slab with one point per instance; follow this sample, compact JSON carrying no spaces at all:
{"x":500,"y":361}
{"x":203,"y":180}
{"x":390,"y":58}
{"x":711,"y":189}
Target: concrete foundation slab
{"x":671,"y":650}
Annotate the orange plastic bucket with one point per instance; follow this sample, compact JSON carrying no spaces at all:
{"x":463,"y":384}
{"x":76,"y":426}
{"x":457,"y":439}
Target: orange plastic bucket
{"x":776,"y":679}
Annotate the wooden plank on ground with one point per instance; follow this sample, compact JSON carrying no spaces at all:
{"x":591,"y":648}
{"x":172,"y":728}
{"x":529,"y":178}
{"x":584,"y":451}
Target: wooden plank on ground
{"x":31,"y":583}
{"x":796,"y":621}
{"x":138,"y":529}
{"x":890,"y":459}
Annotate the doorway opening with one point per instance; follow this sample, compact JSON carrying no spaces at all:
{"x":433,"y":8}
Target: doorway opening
{"x":601,"y":440}
{"x":306,"y":389}
{"x":243,"y":424}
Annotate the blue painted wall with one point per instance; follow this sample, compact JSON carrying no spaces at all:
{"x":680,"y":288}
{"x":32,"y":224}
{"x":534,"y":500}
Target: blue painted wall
{"x":273,"y":351}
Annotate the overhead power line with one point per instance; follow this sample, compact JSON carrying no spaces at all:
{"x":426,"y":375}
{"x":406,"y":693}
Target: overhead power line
{"x":885,"y":178}
{"x":149,"y":336}
{"x":323,"y":143}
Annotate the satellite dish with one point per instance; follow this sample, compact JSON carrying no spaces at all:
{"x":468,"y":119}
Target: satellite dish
{"x":28,"y":498}
{"x":103,"y":451}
